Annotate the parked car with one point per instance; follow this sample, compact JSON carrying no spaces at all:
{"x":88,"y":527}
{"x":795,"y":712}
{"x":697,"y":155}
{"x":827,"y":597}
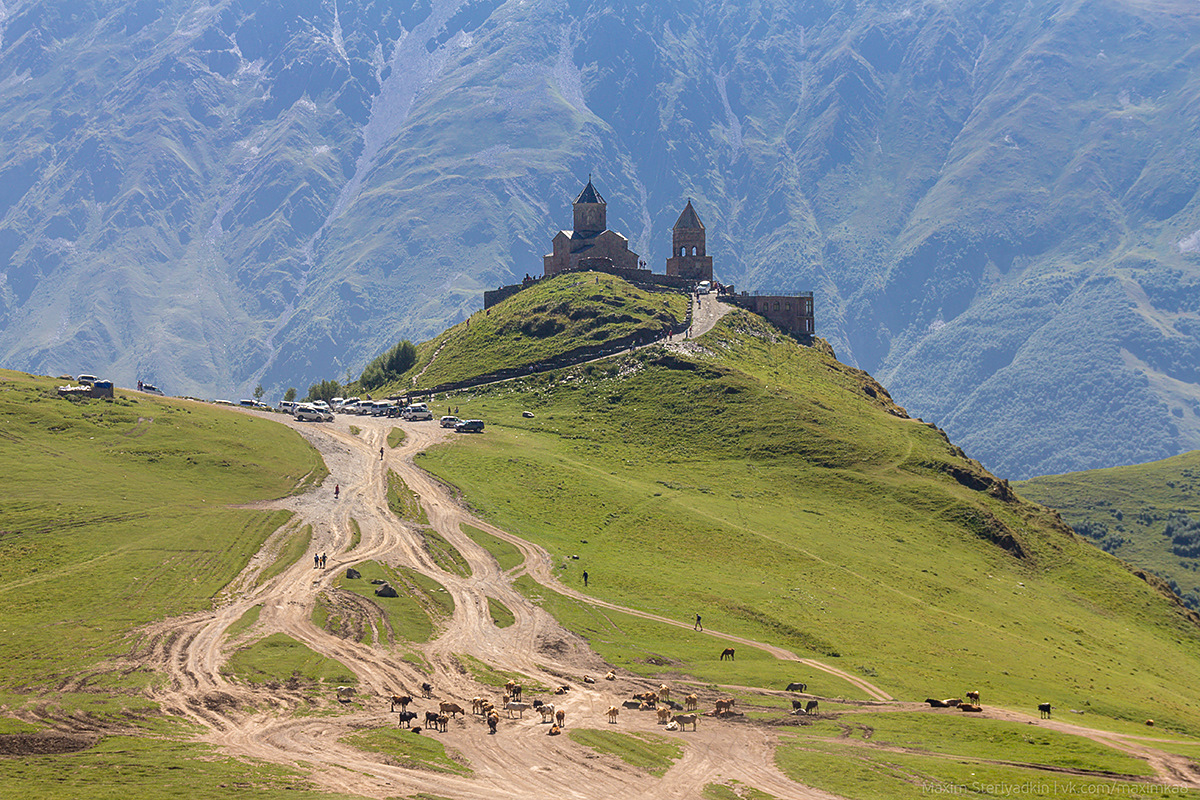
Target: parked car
{"x":470,"y":426}
{"x":150,"y":388}
{"x":417,"y":412}
{"x":306,"y":412}
{"x":449,"y":422}
{"x":704,"y":287}
{"x":86,"y":380}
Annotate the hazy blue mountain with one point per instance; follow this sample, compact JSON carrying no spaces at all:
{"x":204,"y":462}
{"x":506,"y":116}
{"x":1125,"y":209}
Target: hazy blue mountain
{"x":994,"y":201}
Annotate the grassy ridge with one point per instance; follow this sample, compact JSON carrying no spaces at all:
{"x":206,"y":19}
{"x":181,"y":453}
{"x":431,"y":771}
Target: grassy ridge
{"x":117,"y":513}
{"x":1146,"y":514}
{"x":778,"y":493}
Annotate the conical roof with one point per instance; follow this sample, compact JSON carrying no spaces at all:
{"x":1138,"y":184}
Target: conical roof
{"x":688,"y":218}
{"x":590,"y":195}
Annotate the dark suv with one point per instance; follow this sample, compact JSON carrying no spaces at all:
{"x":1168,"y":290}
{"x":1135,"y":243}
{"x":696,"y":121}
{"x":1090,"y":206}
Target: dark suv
{"x":469,"y":426}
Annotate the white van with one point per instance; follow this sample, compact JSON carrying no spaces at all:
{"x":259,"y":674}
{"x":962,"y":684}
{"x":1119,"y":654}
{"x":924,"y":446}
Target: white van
{"x":417,"y":412}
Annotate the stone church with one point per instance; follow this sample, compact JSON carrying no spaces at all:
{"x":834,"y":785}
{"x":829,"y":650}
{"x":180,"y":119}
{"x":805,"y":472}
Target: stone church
{"x":591,"y":245}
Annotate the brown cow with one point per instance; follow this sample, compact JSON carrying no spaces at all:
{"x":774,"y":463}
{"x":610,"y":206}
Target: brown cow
{"x":664,"y":692}
{"x":973,"y":696}
{"x":493,"y":720}
{"x":664,"y":715}
{"x":969,"y":707}
{"x":613,"y":711}
{"x":560,"y":717}
{"x":691,"y":701}
{"x":723,"y":706}
{"x":450,"y":708}
{"x":401,"y":700}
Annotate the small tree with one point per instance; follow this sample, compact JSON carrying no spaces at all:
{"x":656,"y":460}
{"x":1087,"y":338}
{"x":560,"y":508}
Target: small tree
{"x":290,"y":395}
{"x":259,"y":392}
{"x":325,"y":390}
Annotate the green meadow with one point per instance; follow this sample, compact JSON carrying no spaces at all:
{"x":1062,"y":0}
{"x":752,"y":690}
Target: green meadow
{"x":119,"y":512}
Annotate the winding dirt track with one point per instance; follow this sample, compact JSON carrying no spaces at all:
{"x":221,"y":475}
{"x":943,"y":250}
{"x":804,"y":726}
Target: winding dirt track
{"x":520,"y":760}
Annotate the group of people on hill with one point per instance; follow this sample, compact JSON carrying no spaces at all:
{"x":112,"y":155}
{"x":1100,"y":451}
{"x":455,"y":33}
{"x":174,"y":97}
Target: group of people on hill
{"x":319,"y":560}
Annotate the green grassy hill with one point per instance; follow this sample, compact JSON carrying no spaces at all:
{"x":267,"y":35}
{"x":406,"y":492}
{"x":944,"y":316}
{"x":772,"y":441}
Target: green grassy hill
{"x":544,"y":321}
{"x":1146,"y":514}
{"x":116,"y":513}
{"x":784,"y":497}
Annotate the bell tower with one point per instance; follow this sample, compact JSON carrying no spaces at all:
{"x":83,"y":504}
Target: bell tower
{"x":591,"y":212}
{"x":688,"y":259}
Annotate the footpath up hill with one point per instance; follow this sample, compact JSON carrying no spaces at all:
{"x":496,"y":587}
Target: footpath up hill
{"x":785,"y":497}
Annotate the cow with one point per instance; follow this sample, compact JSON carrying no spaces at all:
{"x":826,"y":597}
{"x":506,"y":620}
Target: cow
{"x":554,"y":731}
{"x":610,"y":676}
{"x":686,"y":719}
{"x":727,"y":653}
{"x":723,"y":706}
{"x":797,"y":705}
{"x":664,"y":692}
{"x":933,"y":703}
{"x":969,"y":707}
{"x":493,"y":720}
{"x":973,"y":696}
{"x":588,"y":679}
{"x":442,"y":722}
{"x":450,"y":708}
{"x":632,"y":704}
{"x":431,"y":719}
{"x":476,"y":705}
{"x":664,"y":716}
{"x":1045,"y":709}
{"x":951,"y":702}
{"x":797,"y":687}
{"x":513,"y":705}
{"x":547,"y":711}
{"x":613,"y":711}
{"x":810,"y":706}
{"x":401,"y":700}
{"x":560,"y":717}
{"x":691,"y":701}
{"x":427,"y":689}
{"x":406,"y":718}
{"x":344,"y":693}
{"x":562,"y":689}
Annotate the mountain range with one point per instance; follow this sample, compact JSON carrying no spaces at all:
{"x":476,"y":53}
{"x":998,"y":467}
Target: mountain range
{"x":994,"y":202}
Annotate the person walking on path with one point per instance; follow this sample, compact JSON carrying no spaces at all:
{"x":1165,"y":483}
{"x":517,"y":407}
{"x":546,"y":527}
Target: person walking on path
{"x":316,"y":560}
{"x":337,"y":489}
{"x":323,"y":560}
{"x":697,"y":626}
{"x":585,"y":579}
{"x":381,"y":454}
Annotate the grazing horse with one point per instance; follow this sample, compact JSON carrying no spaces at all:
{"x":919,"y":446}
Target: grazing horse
{"x":797,"y":687}
{"x":727,"y":653}
{"x":401,"y":700}
{"x":686,"y":719}
{"x":1045,"y":709}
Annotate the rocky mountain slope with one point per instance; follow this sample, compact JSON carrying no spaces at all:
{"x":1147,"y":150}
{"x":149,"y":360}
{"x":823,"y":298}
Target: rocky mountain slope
{"x":994,"y":202}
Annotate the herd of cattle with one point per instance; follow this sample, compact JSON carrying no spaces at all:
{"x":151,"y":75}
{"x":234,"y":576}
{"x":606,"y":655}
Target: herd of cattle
{"x":658,"y":701}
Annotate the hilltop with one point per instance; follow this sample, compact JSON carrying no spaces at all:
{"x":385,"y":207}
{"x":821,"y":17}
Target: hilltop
{"x":1145,"y":514}
{"x":788,"y":497}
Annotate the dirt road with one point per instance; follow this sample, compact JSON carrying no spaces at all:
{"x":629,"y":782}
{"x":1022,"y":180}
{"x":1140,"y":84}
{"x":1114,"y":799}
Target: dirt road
{"x":520,"y":760}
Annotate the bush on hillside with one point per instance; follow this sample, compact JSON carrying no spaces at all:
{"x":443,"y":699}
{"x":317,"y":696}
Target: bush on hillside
{"x":389,"y":366}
